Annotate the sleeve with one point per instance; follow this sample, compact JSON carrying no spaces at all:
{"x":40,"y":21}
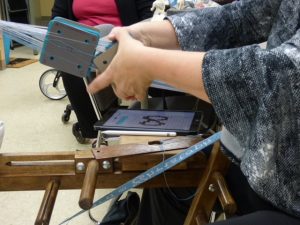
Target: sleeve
{"x":237,"y":24}
{"x":254,"y":89}
{"x":143,"y":9}
{"x":60,"y":8}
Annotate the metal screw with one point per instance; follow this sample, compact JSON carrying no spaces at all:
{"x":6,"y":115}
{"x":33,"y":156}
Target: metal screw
{"x":80,"y":166}
{"x":116,"y":159}
{"x":212,"y":188}
{"x":106,"y":165}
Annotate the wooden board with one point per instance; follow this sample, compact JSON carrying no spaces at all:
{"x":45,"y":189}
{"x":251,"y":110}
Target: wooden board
{"x":20,"y":62}
{"x":2,"y":54}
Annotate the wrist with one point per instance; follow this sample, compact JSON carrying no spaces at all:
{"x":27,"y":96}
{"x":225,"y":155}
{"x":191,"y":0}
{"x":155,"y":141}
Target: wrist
{"x":159,"y":63}
{"x":137,"y":32}
{"x":148,"y":62}
{"x":159,"y":34}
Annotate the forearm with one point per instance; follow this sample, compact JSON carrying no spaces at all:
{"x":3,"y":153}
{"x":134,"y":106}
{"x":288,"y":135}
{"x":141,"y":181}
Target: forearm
{"x":155,"y":34}
{"x":240,"y":23}
{"x":182,"y":70}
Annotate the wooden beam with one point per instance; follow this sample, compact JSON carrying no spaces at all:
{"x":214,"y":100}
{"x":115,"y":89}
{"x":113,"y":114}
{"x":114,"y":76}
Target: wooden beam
{"x":187,"y":178}
{"x":33,"y":171}
{"x":2,"y":54}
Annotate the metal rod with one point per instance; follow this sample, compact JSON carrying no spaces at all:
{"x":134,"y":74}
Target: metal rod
{"x":42,"y":163}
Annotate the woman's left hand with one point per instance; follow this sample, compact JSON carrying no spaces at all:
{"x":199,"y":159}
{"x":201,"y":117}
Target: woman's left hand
{"x":127,"y":73}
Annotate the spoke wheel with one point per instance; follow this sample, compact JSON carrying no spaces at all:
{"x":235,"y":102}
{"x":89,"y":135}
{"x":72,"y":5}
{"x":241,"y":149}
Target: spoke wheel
{"x":51,"y":85}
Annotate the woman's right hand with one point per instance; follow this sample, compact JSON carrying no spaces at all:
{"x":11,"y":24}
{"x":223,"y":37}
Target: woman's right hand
{"x":128,"y":72}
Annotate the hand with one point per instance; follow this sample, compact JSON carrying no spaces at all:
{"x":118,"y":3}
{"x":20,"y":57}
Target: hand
{"x":127,"y":73}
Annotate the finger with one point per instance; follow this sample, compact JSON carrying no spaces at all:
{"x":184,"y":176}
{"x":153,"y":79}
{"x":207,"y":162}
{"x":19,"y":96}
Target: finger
{"x":141,"y":96}
{"x":112,"y":35}
{"x":99,"y":83}
{"x":120,"y":94}
{"x":113,"y":85}
{"x":131,"y":98}
{"x":126,"y":94}
{"x":141,"y":92}
{"x":121,"y":35}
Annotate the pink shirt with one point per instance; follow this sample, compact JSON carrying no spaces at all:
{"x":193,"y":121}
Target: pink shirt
{"x":95,"y":12}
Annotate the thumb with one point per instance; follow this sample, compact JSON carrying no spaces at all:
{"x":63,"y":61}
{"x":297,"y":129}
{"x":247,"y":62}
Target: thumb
{"x":99,"y":83}
{"x":121,"y":35}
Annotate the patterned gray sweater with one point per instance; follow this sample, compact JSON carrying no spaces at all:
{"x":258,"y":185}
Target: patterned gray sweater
{"x":255,"y":92}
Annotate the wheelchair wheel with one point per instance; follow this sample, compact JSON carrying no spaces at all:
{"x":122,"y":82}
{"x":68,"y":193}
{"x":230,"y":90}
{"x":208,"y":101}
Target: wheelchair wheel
{"x":51,"y":85}
{"x":78,"y":134}
{"x":65,"y":117}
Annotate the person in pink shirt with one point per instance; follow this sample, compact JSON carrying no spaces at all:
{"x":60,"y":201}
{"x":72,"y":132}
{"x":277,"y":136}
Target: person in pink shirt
{"x":92,"y":13}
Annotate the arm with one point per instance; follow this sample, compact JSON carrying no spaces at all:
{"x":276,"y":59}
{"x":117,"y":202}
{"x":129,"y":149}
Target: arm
{"x":255,"y":92}
{"x":144,"y":64}
{"x":246,"y":85}
{"x":181,"y":70}
{"x":255,"y":89}
{"x":237,"y":24}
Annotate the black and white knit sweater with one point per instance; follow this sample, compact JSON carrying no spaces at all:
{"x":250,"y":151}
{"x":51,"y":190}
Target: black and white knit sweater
{"x":255,"y":92}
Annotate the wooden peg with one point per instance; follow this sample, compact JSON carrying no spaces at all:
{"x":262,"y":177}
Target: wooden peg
{"x":89,"y":185}
{"x":225,"y":198}
{"x":45,"y":212}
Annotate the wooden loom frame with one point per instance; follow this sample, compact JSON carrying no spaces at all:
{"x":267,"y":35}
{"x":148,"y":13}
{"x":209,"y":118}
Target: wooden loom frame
{"x":79,"y":169}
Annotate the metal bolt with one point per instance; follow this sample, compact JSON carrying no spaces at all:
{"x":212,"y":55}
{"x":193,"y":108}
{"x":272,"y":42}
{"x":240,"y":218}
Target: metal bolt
{"x":106,"y":165}
{"x":212,"y":188}
{"x":80,"y":166}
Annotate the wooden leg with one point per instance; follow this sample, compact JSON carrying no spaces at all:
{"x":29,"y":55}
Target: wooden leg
{"x":2,"y":54}
{"x":210,"y":188}
{"x":45,"y":212}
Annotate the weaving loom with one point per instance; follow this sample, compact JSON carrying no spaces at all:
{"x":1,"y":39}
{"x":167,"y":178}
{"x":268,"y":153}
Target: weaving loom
{"x":65,"y":39}
{"x":83,"y":169}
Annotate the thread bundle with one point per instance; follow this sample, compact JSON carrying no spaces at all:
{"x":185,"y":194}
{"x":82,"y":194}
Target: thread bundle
{"x":34,"y":36}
